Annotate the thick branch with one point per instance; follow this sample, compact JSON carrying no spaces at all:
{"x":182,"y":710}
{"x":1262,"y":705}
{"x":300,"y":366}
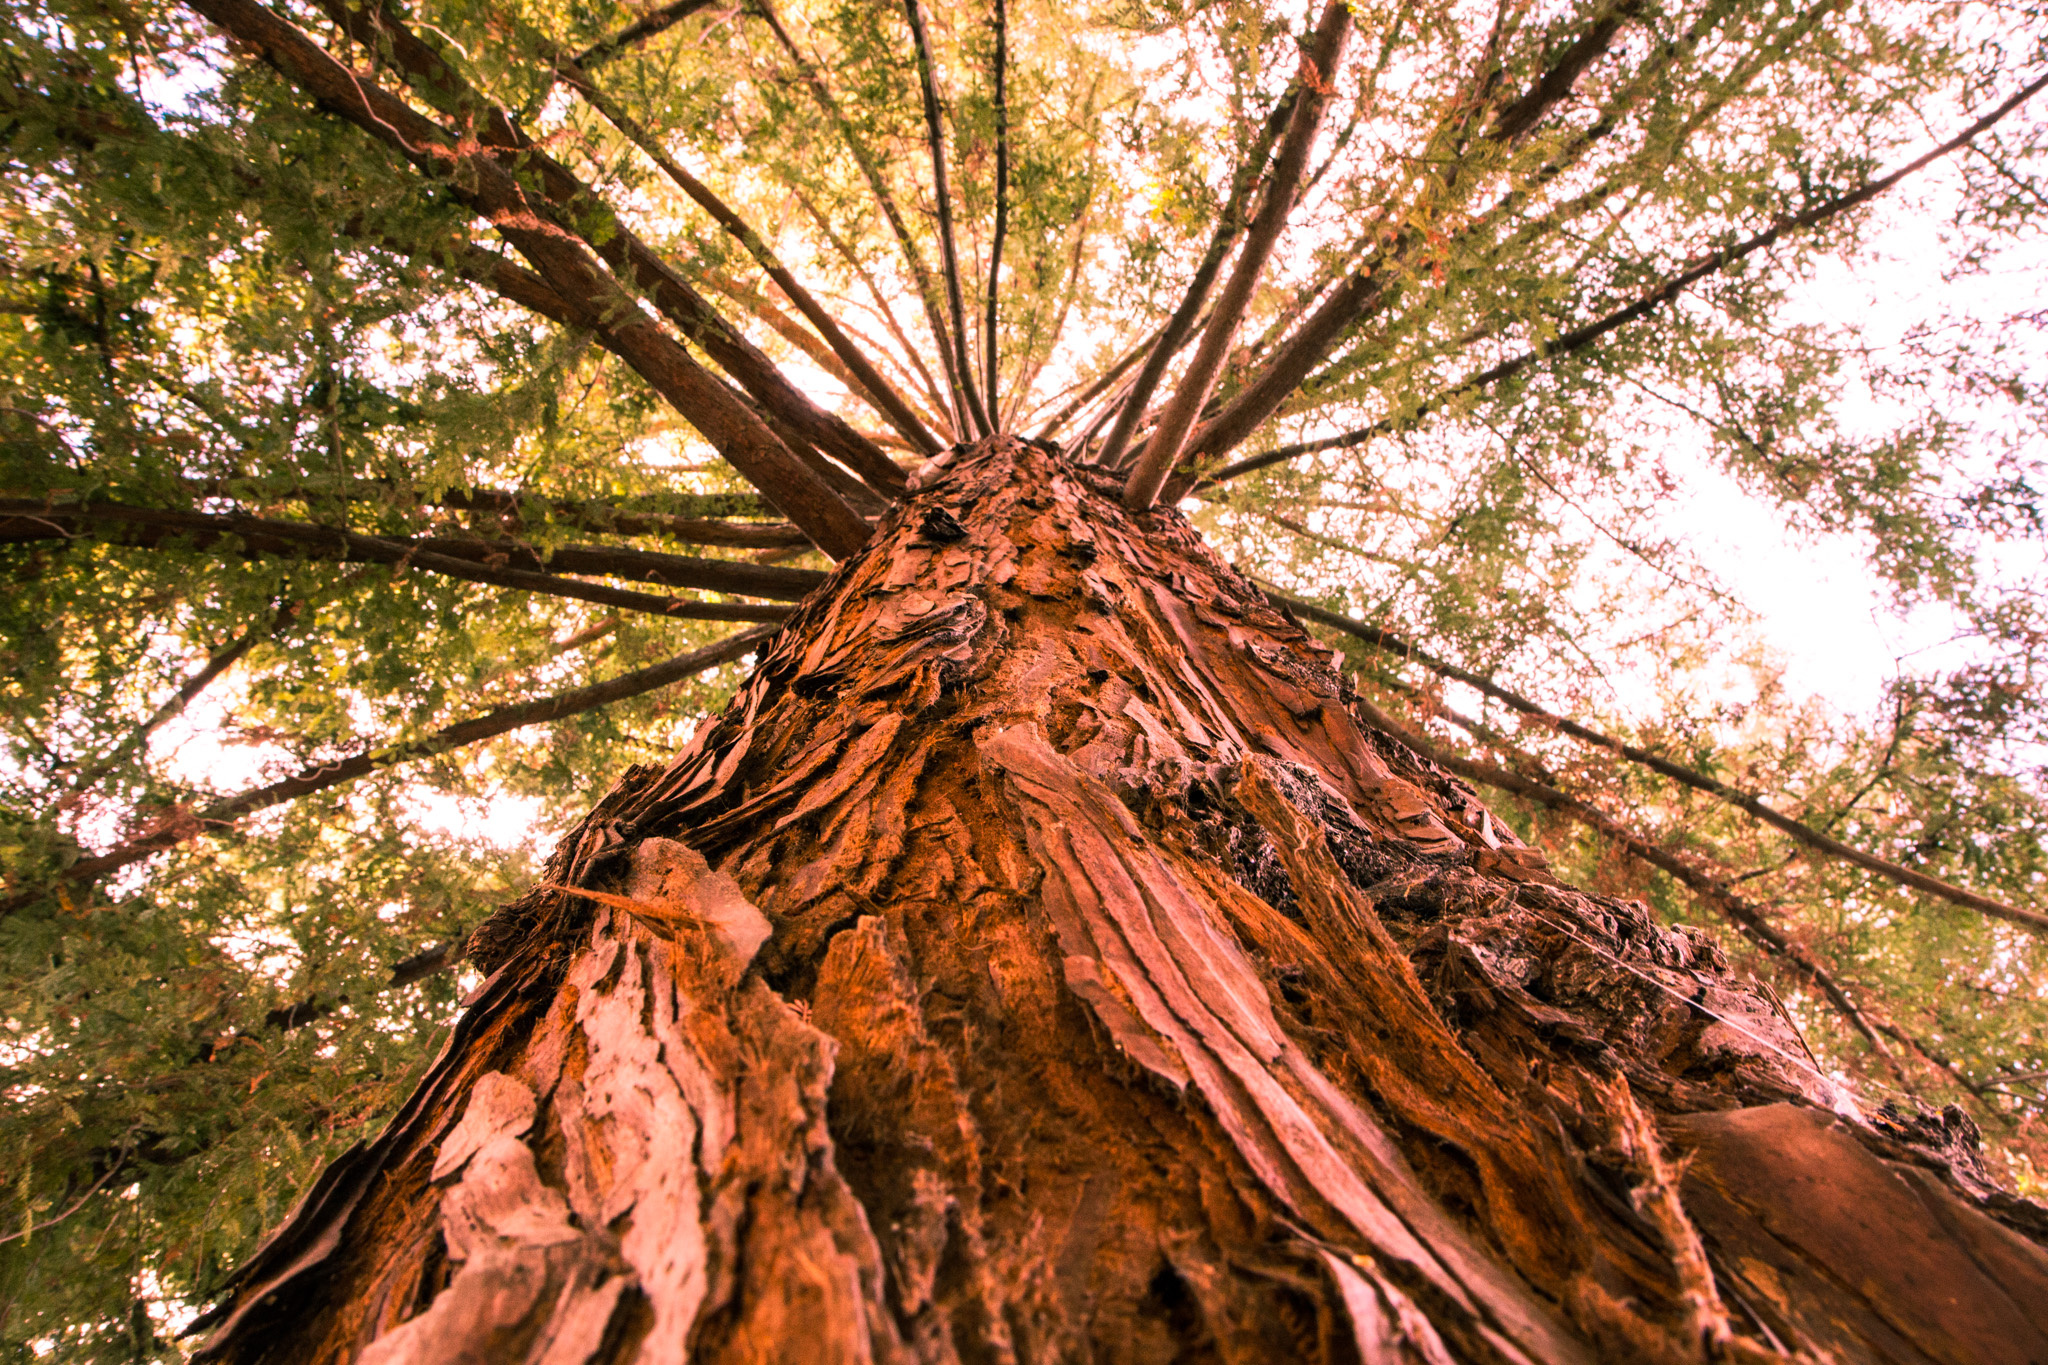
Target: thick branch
{"x":1803,"y":833}
{"x":1227,"y":430}
{"x":1557,"y":80}
{"x":321,"y":776}
{"x":697,"y":518}
{"x":1182,"y":324}
{"x":581,"y":210}
{"x":1163,"y":451}
{"x":473,"y":560}
{"x":949,"y":257}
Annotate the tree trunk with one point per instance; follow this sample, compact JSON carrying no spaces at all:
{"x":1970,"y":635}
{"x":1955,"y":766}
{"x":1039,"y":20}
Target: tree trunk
{"x":1038,"y":961}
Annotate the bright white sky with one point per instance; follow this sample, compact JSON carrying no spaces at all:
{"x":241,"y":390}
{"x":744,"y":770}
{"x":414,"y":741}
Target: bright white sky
{"x":1816,"y":599}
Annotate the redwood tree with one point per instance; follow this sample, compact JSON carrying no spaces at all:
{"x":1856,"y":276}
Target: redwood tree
{"x":1052,"y":950}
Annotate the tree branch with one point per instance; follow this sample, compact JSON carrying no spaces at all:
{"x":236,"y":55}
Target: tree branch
{"x":541,"y":229}
{"x":867,"y":380}
{"x":473,"y":560}
{"x":174,"y":705}
{"x":701,"y":523}
{"x":1098,"y":387}
{"x":321,"y":776}
{"x":995,"y":255}
{"x":581,"y":210}
{"x":1642,"y":306}
{"x":1181,"y":324}
{"x":949,"y":258}
{"x":640,"y":30}
{"x":1805,"y":834}
{"x":1163,"y":451}
{"x":920,"y":274}
{"x":1749,"y":920}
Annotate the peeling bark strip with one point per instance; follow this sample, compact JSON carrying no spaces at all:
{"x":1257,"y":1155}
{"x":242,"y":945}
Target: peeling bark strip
{"x":1039,"y":961}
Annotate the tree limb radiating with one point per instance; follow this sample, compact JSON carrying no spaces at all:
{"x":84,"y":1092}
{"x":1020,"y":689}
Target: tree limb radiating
{"x":1181,"y":325}
{"x":573,"y":205}
{"x":1163,"y":451}
{"x":913,"y":260}
{"x":949,"y":256}
{"x":990,"y":332}
{"x":1805,"y":834}
{"x":1220,"y":435}
{"x":322,"y":776}
{"x":1748,"y":919}
{"x":867,"y":379}
{"x":473,"y":560}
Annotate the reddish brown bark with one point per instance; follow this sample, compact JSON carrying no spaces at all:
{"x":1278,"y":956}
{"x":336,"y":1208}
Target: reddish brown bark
{"x":1039,"y":961}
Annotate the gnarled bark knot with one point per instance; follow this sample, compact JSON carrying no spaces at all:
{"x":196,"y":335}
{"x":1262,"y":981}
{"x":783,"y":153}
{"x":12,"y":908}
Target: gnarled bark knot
{"x":1039,"y":961}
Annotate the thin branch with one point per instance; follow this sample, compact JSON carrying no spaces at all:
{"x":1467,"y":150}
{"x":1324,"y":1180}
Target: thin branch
{"x":1099,"y":386}
{"x":1749,"y":920}
{"x":949,"y":258}
{"x":1805,"y":834}
{"x":639,"y":31}
{"x":909,"y":359}
{"x":1181,"y":325}
{"x":119,"y":1164}
{"x":867,"y":380}
{"x":1642,"y":306}
{"x":321,"y":776}
{"x":1163,"y":451}
{"x":476,"y":561}
{"x":1038,"y":352}
{"x":1368,"y":288}
{"x":920,"y":274}
{"x":219,"y":662}
{"x":430,"y":961}
{"x":995,"y":255}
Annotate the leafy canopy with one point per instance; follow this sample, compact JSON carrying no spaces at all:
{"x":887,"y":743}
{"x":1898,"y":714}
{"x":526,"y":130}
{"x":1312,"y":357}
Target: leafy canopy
{"x":386,"y":394}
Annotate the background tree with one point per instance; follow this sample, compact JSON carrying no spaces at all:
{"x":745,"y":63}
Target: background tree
{"x":396,"y":400}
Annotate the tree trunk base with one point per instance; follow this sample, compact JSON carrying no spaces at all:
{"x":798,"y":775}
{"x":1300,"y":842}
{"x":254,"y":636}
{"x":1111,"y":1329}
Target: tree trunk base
{"x":1039,"y":961}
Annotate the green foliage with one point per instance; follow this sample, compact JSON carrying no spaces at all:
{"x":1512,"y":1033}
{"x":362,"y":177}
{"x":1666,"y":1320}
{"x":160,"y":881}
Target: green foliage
{"x":215,"y":296}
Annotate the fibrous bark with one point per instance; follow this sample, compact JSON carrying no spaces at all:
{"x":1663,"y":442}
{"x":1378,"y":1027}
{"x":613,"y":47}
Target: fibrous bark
{"x":1040,"y":961}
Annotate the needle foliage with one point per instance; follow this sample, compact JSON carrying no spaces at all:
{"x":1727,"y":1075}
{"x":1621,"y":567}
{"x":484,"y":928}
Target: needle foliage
{"x":1555,"y":303}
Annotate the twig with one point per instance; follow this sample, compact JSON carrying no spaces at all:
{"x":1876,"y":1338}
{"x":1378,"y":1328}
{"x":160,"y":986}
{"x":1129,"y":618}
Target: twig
{"x":120,"y":1164}
{"x":174,"y":705}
